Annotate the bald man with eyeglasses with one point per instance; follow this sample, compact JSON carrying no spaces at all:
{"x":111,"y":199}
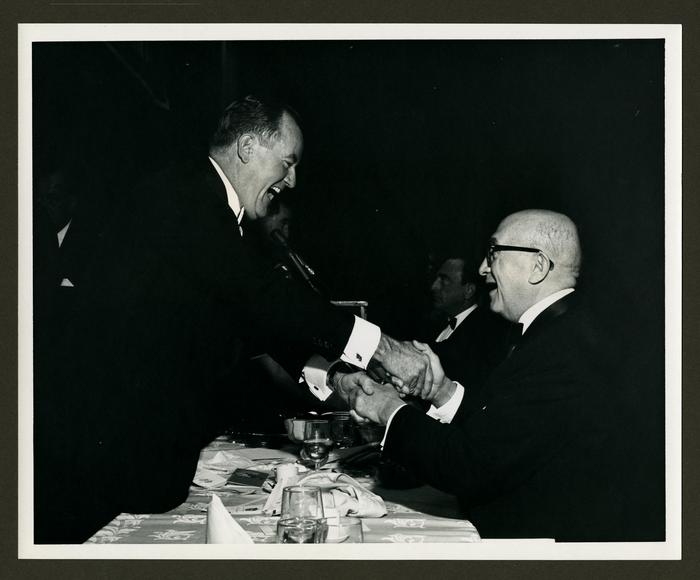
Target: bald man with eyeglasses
{"x":538,"y":456}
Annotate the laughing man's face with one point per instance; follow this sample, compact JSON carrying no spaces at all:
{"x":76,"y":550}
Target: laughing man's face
{"x":507,"y":277}
{"x":272,"y":168}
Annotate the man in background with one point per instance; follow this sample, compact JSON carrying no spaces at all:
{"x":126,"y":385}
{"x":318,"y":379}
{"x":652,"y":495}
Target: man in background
{"x":472,"y":341}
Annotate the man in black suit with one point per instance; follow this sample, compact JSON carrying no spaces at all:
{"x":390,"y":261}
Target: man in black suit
{"x":538,"y":456}
{"x":163,"y":317}
{"x":473,"y":339}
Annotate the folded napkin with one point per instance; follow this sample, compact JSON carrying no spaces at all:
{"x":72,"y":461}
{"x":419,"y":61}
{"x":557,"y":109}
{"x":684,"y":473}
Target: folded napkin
{"x":221,"y":527}
{"x":345,"y":495}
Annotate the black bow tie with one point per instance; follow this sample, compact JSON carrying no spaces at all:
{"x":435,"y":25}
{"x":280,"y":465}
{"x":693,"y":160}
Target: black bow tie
{"x":452,"y":322}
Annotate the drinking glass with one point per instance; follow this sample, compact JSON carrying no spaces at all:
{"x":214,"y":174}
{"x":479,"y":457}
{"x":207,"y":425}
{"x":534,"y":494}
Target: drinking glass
{"x":343,"y":430}
{"x":344,"y":530}
{"x":317,"y":442}
{"x":300,"y":531}
{"x":301,"y":501}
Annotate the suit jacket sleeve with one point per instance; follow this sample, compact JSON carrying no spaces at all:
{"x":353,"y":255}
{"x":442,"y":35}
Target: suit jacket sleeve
{"x":497,"y":447}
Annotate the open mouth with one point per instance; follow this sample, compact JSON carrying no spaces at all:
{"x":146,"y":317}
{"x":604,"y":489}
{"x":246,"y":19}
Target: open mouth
{"x":491,"y":286}
{"x":273,"y":191}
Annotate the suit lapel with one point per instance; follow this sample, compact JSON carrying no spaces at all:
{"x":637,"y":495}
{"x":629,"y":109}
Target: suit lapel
{"x":510,"y":363}
{"x":546,"y":316}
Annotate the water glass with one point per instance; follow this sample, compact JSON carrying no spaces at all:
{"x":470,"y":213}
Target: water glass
{"x":301,"y":531}
{"x":343,"y":430}
{"x":344,"y":530}
{"x":301,"y":501}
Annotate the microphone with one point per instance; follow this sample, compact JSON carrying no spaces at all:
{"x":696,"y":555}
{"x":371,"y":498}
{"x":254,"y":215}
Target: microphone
{"x":278,"y":236}
{"x":305,"y":271}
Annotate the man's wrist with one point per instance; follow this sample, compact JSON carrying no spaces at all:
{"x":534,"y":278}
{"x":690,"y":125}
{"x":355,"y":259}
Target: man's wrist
{"x":383,"y":348}
{"x":388,"y":410}
{"x":444,"y":393}
{"x":335,"y":373}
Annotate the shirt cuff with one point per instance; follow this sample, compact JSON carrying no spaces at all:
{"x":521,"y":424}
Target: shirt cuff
{"x":388,"y":424}
{"x":314,"y":373}
{"x":446,"y":412}
{"x":363,"y":342}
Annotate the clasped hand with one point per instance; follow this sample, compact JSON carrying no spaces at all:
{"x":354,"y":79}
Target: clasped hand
{"x":376,"y":402}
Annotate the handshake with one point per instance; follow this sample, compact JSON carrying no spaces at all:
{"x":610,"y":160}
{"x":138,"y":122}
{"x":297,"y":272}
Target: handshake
{"x":396,"y":370}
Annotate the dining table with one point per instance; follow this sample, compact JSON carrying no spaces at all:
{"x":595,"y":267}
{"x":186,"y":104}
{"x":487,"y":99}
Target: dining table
{"x":419,"y":514}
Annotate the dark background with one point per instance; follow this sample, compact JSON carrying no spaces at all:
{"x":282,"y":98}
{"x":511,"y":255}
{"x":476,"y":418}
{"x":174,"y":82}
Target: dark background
{"x":408,"y":144}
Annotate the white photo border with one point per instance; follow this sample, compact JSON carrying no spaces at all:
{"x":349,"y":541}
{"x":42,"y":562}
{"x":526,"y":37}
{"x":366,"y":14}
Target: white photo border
{"x":489,"y":550}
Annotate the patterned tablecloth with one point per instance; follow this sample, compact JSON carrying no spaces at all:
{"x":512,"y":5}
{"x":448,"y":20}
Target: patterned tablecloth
{"x":186,"y":524}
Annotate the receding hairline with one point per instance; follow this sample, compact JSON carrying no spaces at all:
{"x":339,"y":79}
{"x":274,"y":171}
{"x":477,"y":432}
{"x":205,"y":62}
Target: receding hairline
{"x":535,"y":223}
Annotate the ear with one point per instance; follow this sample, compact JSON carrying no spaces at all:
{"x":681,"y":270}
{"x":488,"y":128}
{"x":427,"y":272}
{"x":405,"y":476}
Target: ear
{"x":469,"y":290}
{"x":245,"y":147}
{"x":540,"y":269}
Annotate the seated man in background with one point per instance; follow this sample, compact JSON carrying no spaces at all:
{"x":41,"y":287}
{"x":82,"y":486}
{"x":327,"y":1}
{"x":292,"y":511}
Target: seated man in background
{"x":538,"y":456}
{"x":473,"y":339}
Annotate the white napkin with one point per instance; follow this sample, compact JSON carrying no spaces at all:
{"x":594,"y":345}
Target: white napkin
{"x":215,"y":467}
{"x":221,"y":527}
{"x":347,"y":496}
{"x":287,"y":474}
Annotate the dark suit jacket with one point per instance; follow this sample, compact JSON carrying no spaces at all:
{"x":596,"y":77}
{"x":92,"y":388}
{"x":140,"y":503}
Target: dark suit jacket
{"x":537,"y":457}
{"x":163,"y":316}
{"x":475,"y":347}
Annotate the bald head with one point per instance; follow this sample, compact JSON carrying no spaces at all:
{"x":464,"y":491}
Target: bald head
{"x":553,"y":233}
{"x":535,"y":253}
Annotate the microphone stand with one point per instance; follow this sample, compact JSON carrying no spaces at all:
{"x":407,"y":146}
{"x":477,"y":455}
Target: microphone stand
{"x":303,"y":269}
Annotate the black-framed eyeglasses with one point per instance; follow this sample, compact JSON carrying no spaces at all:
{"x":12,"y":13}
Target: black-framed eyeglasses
{"x":493,"y":247}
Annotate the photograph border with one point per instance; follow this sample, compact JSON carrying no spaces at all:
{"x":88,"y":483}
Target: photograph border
{"x":521,"y":550}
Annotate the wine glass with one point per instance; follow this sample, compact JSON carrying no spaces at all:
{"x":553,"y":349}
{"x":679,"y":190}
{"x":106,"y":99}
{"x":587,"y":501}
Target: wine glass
{"x":317,"y":442}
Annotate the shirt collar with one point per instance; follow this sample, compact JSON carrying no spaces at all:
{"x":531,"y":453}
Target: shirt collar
{"x":462,"y":315}
{"x":231,"y":195}
{"x":535,"y":310}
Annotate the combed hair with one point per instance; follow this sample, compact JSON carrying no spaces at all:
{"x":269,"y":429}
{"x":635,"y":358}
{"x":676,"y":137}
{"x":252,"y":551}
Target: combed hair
{"x":250,"y":115}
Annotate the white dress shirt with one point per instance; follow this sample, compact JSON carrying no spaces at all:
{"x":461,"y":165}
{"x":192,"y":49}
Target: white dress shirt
{"x":233,"y":202}
{"x":448,"y":330}
{"x":363,"y":341}
{"x":535,"y":310}
{"x":65,"y":282}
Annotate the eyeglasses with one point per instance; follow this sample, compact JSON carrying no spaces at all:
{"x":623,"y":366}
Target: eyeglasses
{"x":494,"y":247}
